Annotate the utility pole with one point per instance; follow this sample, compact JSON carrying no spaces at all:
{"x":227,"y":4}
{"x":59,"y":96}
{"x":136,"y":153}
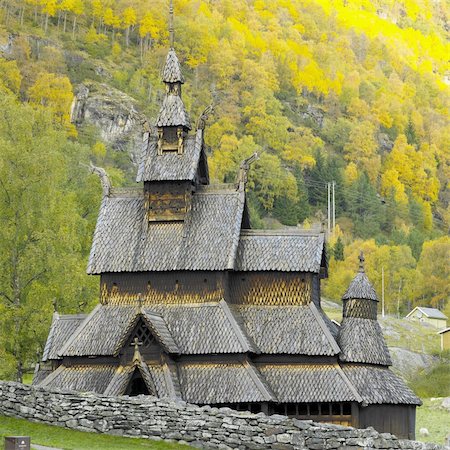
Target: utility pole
{"x":382,"y":292}
{"x":329,"y":208}
{"x":334,"y":209}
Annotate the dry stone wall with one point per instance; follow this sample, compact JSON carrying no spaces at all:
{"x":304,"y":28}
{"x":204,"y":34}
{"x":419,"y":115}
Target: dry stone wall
{"x":205,"y":427}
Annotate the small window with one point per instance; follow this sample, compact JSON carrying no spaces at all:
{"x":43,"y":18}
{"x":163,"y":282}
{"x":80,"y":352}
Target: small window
{"x":291,"y":409}
{"x":143,"y":335}
{"x":336,"y":409}
{"x":347,"y":409}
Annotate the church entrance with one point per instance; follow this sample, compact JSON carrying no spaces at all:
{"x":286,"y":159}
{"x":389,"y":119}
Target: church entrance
{"x":137,"y":385}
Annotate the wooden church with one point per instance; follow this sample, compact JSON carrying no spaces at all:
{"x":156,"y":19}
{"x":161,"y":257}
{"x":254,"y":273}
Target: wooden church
{"x":195,"y":305}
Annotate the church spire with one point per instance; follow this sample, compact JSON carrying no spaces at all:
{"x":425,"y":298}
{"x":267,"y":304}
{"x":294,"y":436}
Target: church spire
{"x":171,"y":32}
{"x":173,"y":120}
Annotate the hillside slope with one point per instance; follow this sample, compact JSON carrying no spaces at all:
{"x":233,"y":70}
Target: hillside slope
{"x":352,"y":91}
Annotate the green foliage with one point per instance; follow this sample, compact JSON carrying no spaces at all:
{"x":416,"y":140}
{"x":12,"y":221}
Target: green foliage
{"x":364,"y":207}
{"x":434,"y":382}
{"x":320,"y":89}
{"x":338,"y":250}
{"x":38,"y":162}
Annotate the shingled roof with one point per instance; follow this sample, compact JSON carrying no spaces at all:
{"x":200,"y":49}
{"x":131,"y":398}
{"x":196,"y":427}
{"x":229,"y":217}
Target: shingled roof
{"x":360,"y":288}
{"x":93,"y":378}
{"x":173,"y":113}
{"x":274,"y":250}
{"x":304,"y":383}
{"x":379,"y":385}
{"x":101,"y":332}
{"x":204,"y":328}
{"x":124,"y":241}
{"x":237,"y":382}
{"x":172,"y":71}
{"x":299,"y":330}
{"x":170,"y":165}
{"x":361,"y":340}
{"x":62,"y":328}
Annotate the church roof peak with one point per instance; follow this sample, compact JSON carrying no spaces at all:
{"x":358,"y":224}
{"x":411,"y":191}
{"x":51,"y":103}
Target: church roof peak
{"x":172,"y":69}
{"x":360,"y":287}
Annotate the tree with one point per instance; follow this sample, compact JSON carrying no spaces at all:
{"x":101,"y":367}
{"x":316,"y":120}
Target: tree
{"x":432,"y":284}
{"x":364,"y":207}
{"x":41,"y":232}
{"x":338,"y":250}
{"x":55,"y":93}
{"x":110,"y":19}
{"x":49,"y":8}
{"x":128,"y":21}
{"x":361,"y":149}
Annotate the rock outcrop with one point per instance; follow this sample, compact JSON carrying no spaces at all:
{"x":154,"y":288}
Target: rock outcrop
{"x":113,"y":113}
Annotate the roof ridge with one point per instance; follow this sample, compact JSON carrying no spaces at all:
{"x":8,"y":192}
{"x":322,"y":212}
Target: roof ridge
{"x":72,"y":316}
{"x":95,"y":237}
{"x":259,"y":381}
{"x":77,"y":332}
{"x":50,"y":377}
{"x":241,"y":335}
{"x":198,"y":136}
{"x":348,"y":382}
{"x":237,"y":228}
{"x":280,"y":232}
{"x":170,"y":384}
{"x":51,"y":335}
{"x":324,"y":327}
{"x":127,"y":332}
{"x":155,"y":332}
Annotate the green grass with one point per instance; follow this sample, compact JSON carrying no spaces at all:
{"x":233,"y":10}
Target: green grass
{"x":435,"y":419}
{"x":434,"y":382}
{"x":53,"y":436}
{"x":27,"y":378}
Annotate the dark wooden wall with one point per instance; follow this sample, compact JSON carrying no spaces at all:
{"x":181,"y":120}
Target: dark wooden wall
{"x":251,"y":288}
{"x":163,"y":287}
{"x":270,"y":288}
{"x":396,"y":419}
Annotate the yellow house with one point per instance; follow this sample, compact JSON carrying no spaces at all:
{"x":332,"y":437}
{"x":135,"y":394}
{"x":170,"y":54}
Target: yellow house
{"x":445,"y":339}
{"x":431,"y":316}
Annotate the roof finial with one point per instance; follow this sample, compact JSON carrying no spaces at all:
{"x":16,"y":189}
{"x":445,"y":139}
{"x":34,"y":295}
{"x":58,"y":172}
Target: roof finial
{"x":137,"y":354}
{"x":171,"y":32}
{"x":361,"y":261}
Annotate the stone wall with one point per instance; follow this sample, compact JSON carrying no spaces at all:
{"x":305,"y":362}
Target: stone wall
{"x":205,"y":427}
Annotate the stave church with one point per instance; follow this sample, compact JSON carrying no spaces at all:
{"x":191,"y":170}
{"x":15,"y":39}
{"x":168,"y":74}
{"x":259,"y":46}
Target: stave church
{"x":197,"y":306}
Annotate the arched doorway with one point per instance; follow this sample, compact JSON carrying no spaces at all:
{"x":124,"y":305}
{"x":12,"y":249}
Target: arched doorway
{"x":136,"y":385}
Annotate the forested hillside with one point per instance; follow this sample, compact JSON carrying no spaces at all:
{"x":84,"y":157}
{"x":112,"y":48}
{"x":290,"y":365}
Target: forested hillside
{"x":350,"y":91}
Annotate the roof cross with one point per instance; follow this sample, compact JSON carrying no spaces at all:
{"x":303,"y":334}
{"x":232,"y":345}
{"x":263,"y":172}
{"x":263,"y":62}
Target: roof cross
{"x":136,"y":344}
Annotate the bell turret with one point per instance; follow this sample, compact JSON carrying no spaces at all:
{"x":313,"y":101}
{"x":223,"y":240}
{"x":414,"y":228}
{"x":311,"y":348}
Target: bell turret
{"x":173,"y":120}
{"x":360,"y":336}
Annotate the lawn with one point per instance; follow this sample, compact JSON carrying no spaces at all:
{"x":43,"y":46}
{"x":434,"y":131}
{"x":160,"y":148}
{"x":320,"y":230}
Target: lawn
{"x":436,"y":420}
{"x":53,"y":436}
